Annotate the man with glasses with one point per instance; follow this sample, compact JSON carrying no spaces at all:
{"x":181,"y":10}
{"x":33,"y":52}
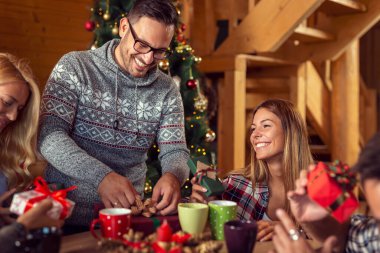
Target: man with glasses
{"x":102,"y":110}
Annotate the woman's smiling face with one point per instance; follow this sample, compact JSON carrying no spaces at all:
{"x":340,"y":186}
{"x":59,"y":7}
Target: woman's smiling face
{"x":267,"y":136}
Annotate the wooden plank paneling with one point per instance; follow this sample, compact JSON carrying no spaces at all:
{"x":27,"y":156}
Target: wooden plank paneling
{"x":43,"y":30}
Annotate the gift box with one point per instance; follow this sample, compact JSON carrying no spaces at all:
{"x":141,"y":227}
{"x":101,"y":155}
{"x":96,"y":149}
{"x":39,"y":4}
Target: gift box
{"x":61,"y":209}
{"x":149,"y":225}
{"x":207,"y":178}
{"x":331,"y":186}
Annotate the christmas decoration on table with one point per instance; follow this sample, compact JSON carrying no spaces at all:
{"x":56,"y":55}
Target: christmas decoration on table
{"x":181,"y":65}
{"x":331,"y":186}
{"x":207,"y":177}
{"x":148,"y":225}
{"x":24,"y":201}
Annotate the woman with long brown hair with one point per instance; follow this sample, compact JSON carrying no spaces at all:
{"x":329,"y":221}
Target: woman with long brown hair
{"x":280,"y":150}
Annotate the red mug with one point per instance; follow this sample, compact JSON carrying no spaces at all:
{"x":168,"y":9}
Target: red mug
{"x":114,"y":223}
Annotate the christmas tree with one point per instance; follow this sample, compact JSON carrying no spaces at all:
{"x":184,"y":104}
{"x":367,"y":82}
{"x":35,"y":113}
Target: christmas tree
{"x":181,"y":65}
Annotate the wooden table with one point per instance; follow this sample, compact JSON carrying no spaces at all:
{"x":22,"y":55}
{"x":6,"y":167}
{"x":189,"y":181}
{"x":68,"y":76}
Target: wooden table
{"x":85,"y":243}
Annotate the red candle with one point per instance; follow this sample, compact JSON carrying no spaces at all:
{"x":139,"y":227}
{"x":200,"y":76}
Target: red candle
{"x":164,"y":232}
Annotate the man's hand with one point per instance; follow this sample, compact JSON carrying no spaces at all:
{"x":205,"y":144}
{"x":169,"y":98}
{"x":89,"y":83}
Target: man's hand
{"x":265,"y":230}
{"x":167,"y":194}
{"x":116,"y":191}
{"x":288,"y":240}
{"x":303,"y":208}
{"x":36,"y":217}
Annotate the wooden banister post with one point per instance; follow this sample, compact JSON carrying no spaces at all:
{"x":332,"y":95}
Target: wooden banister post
{"x":345,"y":105}
{"x":231,"y":118}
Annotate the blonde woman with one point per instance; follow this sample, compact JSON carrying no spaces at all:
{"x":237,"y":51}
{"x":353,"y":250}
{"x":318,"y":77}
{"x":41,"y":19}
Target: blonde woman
{"x":19,"y":110}
{"x":280,"y":150}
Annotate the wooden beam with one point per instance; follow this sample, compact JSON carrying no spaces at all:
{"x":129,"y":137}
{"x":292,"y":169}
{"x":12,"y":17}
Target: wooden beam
{"x":358,"y":24}
{"x":345,"y":106}
{"x":203,"y":23}
{"x":231,"y":119}
{"x":216,"y":63}
{"x":267,"y":26}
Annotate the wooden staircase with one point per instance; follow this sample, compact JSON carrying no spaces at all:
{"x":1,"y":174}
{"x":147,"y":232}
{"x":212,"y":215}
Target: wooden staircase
{"x":305,"y":51}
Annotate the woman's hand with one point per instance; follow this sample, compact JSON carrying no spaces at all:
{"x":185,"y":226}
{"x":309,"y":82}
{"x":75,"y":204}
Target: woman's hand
{"x":288,"y":240}
{"x":36,"y":217}
{"x":265,"y":230}
{"x":4,"y":212}
{"x":303,"y":208}
{"x":197,"y":192}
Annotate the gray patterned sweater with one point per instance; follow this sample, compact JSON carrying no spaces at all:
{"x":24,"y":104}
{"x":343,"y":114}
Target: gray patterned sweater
{"x":96,"y":118}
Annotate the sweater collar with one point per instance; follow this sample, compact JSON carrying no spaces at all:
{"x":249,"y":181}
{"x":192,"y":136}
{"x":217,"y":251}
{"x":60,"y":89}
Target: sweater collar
{"x":108,"y":51}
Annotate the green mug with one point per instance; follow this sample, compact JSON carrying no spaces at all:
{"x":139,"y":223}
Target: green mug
{"x":221,"y":211}
{"x":192,"y":217}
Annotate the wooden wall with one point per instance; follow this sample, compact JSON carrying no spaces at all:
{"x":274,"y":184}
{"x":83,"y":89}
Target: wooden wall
{"x":43,"y":30}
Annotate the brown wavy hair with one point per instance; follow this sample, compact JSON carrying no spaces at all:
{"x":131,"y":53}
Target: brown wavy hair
{"x":296,"y":155}
{"x":18,"y":140}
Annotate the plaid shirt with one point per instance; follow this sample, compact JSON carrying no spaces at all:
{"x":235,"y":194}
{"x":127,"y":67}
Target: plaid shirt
{"x":363,"y":235}
{"x":251,"y":203}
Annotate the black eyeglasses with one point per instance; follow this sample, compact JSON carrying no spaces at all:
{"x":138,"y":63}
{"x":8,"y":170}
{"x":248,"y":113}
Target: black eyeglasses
{"x":144,"y":48}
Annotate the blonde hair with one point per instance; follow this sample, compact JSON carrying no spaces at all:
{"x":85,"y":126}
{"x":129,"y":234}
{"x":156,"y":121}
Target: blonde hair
{"x":18,"y":140}
{"x":296,"y":155}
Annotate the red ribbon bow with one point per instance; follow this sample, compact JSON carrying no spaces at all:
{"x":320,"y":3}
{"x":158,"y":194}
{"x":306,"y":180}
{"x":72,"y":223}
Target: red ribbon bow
{"x":59,"y":195}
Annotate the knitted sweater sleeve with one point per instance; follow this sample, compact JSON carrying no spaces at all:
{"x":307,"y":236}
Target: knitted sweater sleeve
{"x":58,"y":110}
{"x":171,"y":137}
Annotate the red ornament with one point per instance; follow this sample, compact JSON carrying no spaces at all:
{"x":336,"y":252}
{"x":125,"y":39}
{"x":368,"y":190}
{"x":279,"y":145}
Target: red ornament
{"x":89,"y":25}
{"x":183,"y":27}
{"x":180,"y":37}
{"x":191,"y":83}
{"x":164,"y":232}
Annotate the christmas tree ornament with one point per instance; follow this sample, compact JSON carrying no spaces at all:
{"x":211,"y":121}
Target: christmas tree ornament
{"x":210,"y":136}
{"x":106,"y":16}
{"x":191,"y":83}
{"x":197,"y":59}
{"x":180,"y":37}
{"x":95,"y":45}
{"x":200,"y":103}
{"x":148,"y":187}
{"x":115,"y":30}
{"x":164,"y":64}
{"x":177,"y":80}
{"x":89,"y":25}
{"x":183,"y":27}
